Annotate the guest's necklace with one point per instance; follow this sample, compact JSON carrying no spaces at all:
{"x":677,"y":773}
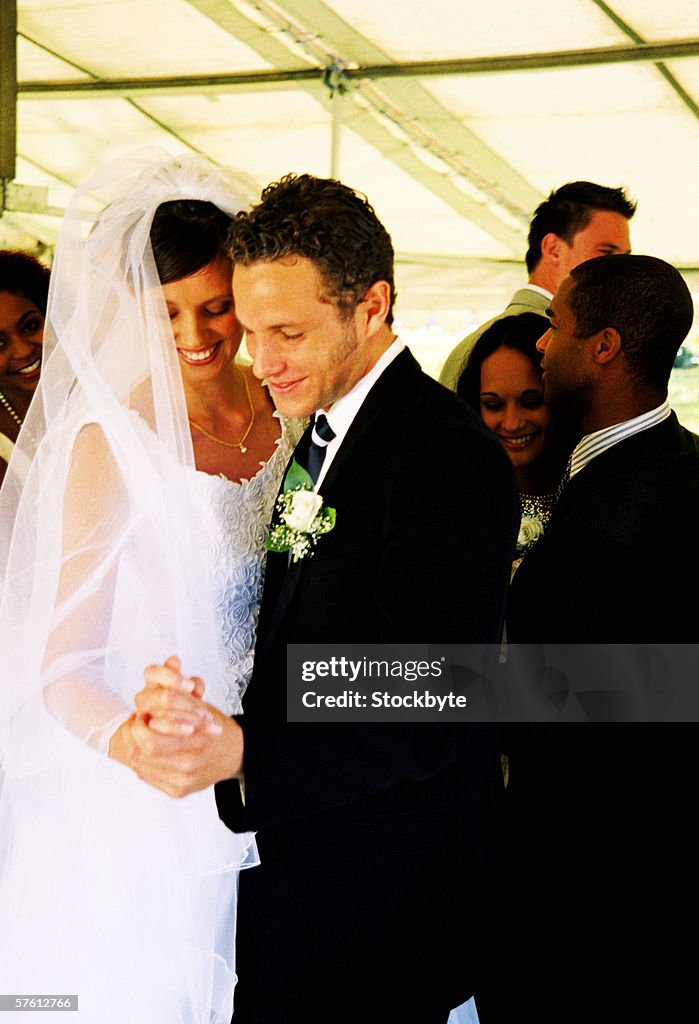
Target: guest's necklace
{"x":4,"y":402}
{"x":538,"y":504}
{"x":230,"y":444}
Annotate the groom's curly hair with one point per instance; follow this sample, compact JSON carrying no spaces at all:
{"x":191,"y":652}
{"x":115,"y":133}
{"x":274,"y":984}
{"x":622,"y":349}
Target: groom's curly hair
{"x":326,"y":222}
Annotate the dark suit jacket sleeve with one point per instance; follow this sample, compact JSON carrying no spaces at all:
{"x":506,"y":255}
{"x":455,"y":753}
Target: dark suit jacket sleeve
{"x":421,"y":553}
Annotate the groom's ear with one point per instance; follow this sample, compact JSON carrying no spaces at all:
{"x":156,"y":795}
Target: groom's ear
{"x":375,"y":306}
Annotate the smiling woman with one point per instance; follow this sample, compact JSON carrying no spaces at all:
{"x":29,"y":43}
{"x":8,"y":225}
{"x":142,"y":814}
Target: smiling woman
{"x":231,"y":414}
{"x":24,"y":285}
{"x":502,"y":381}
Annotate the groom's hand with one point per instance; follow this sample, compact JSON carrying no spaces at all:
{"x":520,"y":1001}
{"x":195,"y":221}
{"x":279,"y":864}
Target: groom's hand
{"x":177,"y":742}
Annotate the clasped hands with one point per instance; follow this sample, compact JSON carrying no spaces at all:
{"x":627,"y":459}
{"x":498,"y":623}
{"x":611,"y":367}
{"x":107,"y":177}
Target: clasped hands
{"x":175,"y":740}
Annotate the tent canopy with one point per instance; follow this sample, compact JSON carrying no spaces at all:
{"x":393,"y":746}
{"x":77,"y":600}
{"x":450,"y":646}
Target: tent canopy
{"x":455,"y":118}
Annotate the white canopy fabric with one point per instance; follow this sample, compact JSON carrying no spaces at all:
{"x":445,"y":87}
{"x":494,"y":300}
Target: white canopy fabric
{"x":465,"y":115}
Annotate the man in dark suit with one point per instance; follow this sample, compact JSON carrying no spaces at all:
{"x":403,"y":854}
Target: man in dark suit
{"x":600,"y":814}
{"x":378,"y":842}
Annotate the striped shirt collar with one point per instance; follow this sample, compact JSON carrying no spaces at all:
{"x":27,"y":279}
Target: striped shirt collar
{"x":594,"y":444}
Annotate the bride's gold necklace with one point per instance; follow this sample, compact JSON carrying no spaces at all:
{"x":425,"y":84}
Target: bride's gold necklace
{"x":230,"y":444}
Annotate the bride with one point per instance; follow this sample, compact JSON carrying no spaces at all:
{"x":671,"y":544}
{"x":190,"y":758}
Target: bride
{"x":135,"y":528}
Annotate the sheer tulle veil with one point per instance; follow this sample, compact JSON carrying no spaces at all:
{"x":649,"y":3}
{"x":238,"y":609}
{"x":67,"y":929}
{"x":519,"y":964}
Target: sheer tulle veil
{"x":109,"y":889}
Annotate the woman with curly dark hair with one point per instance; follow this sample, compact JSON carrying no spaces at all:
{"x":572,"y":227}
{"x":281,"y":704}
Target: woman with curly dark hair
{"x":24,"y":287}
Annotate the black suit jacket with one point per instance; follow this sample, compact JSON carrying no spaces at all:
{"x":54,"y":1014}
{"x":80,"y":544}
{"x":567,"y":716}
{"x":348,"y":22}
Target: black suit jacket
{"x":620,"y":556}
{"x":396,"y":822}
{"x":600,"y":813}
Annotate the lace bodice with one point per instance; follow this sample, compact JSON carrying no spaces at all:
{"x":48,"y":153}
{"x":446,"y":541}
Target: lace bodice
{"x":234,"y":521}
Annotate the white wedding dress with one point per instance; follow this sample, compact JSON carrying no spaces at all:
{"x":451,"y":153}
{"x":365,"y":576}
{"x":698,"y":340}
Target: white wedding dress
{"x":234,"y":520}
{"x":115,"y":553}
{"x":149,"y":937}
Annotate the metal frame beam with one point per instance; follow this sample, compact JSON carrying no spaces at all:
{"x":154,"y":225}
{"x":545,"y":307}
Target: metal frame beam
{"x":642,"y":53}
{"x":631,"y":32}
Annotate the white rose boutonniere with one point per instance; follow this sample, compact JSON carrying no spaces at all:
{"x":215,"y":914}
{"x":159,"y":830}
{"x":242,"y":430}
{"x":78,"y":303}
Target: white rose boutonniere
{"x":303,"y":517}
{"x":530,"y":529}
{"x":303,"y":508}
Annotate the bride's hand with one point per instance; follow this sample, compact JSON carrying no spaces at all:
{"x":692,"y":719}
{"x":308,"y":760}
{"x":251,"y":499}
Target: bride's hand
{"x":121,"y":743}
{"x":171,"y":704}
{"x":175,"y":741}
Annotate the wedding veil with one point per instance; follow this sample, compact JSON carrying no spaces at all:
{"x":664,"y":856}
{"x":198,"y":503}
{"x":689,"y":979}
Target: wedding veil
{"x":109,"y":889}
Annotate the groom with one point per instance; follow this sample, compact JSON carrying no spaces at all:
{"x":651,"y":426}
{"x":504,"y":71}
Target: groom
{"x":378,"y":843}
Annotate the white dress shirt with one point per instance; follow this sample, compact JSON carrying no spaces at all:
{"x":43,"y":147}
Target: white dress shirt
{"x":537,"y":288}
{"x":342,"y":412}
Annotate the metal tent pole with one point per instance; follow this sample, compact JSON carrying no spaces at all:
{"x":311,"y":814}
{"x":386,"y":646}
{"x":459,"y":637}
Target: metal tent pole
{"x":8,"y":96}
{"x":334,"y":78}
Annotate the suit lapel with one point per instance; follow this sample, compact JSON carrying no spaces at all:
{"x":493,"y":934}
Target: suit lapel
{"x":394,"y":384}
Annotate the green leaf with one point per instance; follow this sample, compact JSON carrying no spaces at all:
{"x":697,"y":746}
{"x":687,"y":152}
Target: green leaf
{"x":328,"y":517}
{"x":272,"y":544}
{"x":296,"y":477}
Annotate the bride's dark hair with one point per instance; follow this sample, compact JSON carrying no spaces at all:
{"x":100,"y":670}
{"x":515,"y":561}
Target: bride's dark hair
{"x":186,"y":235}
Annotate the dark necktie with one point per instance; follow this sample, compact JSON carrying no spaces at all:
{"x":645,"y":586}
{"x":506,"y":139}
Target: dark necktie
{"x":321,"y":436}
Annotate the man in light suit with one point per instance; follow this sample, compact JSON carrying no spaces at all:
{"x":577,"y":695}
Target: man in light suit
{"x":603,"y":870}
{"x":577,"y":222}
{"x":374,"y":897}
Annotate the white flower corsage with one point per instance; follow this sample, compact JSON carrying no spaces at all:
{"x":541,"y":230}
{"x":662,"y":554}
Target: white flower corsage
{"x":302,"y":516}
{"x":530,"y":529}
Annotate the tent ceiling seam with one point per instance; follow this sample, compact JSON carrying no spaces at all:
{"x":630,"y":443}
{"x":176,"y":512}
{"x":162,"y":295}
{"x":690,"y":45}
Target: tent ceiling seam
{"x":631,"y":32}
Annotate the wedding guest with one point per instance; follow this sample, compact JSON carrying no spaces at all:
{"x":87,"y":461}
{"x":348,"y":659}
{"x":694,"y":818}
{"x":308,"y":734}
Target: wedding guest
{"x":24,"y":286}
{"x":502,"y":381}
{"x":576,"y":222}
{"x":603,"y":873}
{"x":138,"y":529}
